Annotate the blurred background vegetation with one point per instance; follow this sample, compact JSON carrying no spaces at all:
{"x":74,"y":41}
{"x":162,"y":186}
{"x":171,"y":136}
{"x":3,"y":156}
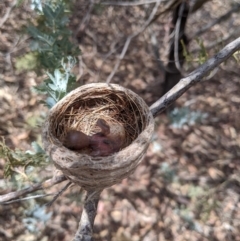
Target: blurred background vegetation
{"x":187,"y":187}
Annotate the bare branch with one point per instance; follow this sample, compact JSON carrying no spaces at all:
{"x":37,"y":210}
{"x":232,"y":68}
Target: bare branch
{"x":155,"y":48}
{"x":27,"y":198}
{"x":225,"y":16}
{"x":129,"y":39}
{"x":127,"y":4}
{"x":46,"y":184}
{"x":85,"y":229}
{"x":8,"y":11}
{"x":219,"y":41}
{"x":193,"y":78}
{"x":197,"y":5}
{"x":168,"y":7}
{"x":177,"y":37}
{"x":85,"y":19}
{"x":59,"y":194}
{"x":113,"y":49}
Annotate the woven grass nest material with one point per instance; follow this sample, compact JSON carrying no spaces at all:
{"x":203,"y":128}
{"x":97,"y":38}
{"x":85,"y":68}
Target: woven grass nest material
{"x":125,"y":115}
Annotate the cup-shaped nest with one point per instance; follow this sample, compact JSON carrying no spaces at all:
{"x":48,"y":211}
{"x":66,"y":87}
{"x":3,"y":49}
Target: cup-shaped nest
{"x":98,"y":134}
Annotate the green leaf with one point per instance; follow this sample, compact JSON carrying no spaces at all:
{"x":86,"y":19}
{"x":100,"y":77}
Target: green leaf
{"x":29,"y":61}
{"x":41,"y":89}
{"x":18,"y":158}
{"x":56,"y":54}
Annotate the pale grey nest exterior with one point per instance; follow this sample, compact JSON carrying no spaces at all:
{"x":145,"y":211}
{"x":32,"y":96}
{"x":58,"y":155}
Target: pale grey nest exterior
{"x":97,"y":173}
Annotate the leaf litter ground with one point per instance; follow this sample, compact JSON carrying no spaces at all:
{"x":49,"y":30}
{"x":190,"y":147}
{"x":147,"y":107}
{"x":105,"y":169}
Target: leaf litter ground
{"x":186,"y":188}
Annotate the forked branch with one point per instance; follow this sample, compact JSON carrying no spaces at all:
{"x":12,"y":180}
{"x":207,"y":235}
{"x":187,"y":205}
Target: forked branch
{"x":46,"y":184}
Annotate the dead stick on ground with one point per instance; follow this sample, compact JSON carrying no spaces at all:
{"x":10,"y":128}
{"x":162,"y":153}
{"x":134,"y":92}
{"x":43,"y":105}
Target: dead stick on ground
{"x":184,"y":84}
{"x":46,"y":184}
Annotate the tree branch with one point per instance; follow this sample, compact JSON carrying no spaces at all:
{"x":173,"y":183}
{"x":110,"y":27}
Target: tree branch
{"x":129,"y":39}
{"x":127,"y":4}
{"x":225,"y":16}
{"x":197,"y":5}
{"x":8,"y":11}
{"x":46,"y":184}
{"x":178,"y":33}
{"x":220,"y":41}
{"x":59,"y":194}
{"x":194,"y":77}
{"x":83,"y":25}
{"x":85,"y":228}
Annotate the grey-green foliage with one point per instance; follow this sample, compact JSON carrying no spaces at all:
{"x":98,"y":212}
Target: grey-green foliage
{"x":28,"y":61}
{"x":51,"y":36}
{"x":202,"y":54}
{"x":36,"y":217}
{"x":59,"y":83}
{"x":56,"y":56}
{"x":56,"y":53}
{"x":184,"y":116}
{"x":190,"y":58}
{"x":18,"y":158}
{"x":167,"y":172}
{"x":190,"y":221}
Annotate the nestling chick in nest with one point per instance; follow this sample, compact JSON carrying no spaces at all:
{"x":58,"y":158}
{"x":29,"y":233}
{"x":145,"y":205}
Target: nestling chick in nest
{"x":103,"y":143}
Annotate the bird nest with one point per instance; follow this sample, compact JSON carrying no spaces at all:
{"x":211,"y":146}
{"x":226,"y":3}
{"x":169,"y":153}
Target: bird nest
{"x":97,"y":134}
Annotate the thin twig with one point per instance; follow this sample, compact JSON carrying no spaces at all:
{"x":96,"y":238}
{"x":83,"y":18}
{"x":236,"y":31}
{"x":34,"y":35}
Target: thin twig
{"x":112,"y":50}
{"x":168,"y":7}
{"x":155,"y":48}
{"x":59,"y":194}
{"x":193,"y":78}
{"x":8,"y":11}
{"x":85,"y":19}
{"x":27,"y":198}
{"x":46,"y":184}
{"x":219,"y":41}
{"x":129,"y":39}
{"x":197,"y":4}
{"x":127,"y":4}
{"x":177,"y":37}
{"x":225,"y":16}
{"x":85,"y":228}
